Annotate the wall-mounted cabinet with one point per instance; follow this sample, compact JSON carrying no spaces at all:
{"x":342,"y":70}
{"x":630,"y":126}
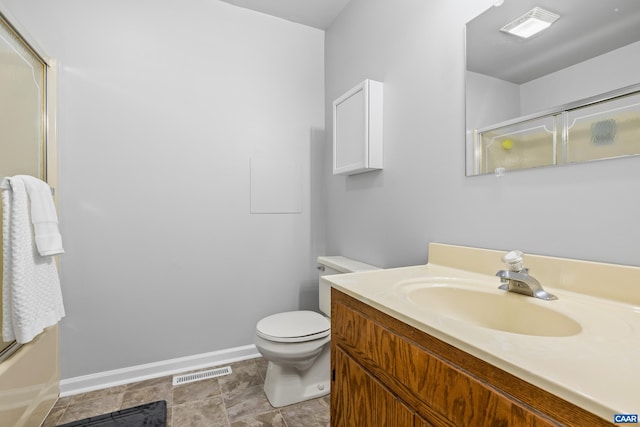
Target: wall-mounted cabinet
{"x":357,"y":129}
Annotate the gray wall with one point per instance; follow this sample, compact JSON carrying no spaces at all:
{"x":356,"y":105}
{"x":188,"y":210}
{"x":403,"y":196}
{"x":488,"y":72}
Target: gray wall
{"x":490,"y":100}
{"x":583,"y":80}
{"x":162,"y":105}
{"x":416,"y":47}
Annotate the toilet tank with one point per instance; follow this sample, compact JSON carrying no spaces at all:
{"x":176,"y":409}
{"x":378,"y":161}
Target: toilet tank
{"x":336,"y":265}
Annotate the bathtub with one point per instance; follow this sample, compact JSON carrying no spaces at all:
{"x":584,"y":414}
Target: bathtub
{"x":29,"y":381}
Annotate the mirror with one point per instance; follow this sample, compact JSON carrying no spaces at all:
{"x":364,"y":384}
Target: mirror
{"x":570,"y":93}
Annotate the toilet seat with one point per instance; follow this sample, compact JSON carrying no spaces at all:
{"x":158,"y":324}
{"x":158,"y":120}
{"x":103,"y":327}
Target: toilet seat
{"x":294,"y":326}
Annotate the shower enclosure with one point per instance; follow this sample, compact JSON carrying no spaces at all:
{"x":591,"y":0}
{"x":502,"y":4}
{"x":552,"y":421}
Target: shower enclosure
{"x":29,"y":375}
{"x":22,"y":133}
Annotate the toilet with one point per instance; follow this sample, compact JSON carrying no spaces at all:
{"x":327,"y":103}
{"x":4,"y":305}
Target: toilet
{"x":296,"y":343}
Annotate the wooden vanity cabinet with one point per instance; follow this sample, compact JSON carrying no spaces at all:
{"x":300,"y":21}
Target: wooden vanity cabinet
{"x":387,"y":373}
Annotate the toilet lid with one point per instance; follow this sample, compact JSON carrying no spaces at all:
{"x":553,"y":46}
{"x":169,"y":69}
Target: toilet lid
{"x":294,"y":326}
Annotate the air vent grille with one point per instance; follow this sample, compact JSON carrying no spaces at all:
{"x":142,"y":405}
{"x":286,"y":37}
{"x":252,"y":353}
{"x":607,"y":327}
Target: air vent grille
{"x":199,"y":376}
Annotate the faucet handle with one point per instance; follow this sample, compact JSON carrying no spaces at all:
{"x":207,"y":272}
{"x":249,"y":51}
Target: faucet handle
{"x":514,"y":260}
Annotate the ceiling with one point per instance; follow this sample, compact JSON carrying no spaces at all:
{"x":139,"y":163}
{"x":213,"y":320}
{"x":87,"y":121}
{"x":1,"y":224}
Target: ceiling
{"x":585,"y":29}
{"x":314,"y":13}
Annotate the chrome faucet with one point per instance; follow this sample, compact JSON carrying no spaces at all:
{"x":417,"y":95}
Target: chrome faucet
{"x":516,"y":278}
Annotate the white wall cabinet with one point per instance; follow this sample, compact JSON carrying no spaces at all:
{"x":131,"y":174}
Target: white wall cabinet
{"x":357,"y":129}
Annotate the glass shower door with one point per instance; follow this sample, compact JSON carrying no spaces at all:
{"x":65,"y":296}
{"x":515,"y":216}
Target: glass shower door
{"x":22,"y":112}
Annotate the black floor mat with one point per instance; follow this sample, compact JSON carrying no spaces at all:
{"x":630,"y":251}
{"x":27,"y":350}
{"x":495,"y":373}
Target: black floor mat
{"x":149,"y":415}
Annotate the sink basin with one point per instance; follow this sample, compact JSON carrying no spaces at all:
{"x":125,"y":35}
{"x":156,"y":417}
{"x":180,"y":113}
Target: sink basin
{"x":489,"y":308}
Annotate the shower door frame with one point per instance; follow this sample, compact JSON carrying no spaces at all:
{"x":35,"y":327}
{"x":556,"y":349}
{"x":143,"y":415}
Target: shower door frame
{"x":48,"y":149}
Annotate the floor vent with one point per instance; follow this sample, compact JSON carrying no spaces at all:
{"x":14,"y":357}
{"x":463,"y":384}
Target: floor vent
{"x":199,"y":376}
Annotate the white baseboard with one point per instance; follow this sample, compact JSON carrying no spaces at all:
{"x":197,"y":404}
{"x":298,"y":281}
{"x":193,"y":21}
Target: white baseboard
{"x":100,"y":380}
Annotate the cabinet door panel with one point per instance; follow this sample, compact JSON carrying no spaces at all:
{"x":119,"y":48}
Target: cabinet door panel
{"x":357,"y":399}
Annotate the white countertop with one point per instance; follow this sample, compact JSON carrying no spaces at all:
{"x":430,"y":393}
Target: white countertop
{"x":597,"y":369}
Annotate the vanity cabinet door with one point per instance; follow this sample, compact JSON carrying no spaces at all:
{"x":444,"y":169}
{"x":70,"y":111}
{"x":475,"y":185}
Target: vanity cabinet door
{"x":358,"y":399}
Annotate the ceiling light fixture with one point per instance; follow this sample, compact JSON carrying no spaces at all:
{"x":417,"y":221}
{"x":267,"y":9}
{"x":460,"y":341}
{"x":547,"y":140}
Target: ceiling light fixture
{"x":532,"y":22}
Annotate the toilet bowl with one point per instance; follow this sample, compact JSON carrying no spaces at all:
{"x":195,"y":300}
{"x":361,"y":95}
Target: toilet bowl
{"x":296,"y":344}
{"x":298,"y":359}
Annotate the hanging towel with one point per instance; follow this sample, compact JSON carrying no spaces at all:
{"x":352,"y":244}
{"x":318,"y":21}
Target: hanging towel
{"x":43,"y":216}
{"x":32,"y":299}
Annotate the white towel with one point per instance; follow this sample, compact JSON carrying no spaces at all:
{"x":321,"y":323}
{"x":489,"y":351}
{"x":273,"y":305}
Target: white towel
{"x":32,"y":299}
{"x":43,"y":216}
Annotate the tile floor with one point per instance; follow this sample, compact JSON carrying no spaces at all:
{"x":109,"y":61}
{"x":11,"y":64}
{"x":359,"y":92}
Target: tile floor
{"x":233,"y":400}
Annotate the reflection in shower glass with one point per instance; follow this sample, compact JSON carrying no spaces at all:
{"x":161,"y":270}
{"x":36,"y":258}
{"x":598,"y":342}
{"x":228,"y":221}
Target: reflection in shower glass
{"x":604,"y":130}
{"x":522,"y":145}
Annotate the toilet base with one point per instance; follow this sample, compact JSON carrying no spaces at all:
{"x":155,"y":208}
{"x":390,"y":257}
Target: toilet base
{"x":286,"y":385}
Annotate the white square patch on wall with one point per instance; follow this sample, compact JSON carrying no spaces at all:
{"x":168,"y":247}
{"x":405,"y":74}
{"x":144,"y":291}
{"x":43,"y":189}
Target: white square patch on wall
{"x":276,"y":186}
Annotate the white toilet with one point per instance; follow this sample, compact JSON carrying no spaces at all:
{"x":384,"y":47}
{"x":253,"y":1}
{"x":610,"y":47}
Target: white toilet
{"x":296,"y":343}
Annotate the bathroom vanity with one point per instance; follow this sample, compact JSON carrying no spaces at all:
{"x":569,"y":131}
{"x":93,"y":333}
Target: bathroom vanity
{"x":410,"y":378}
{"x":405,"y":354}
